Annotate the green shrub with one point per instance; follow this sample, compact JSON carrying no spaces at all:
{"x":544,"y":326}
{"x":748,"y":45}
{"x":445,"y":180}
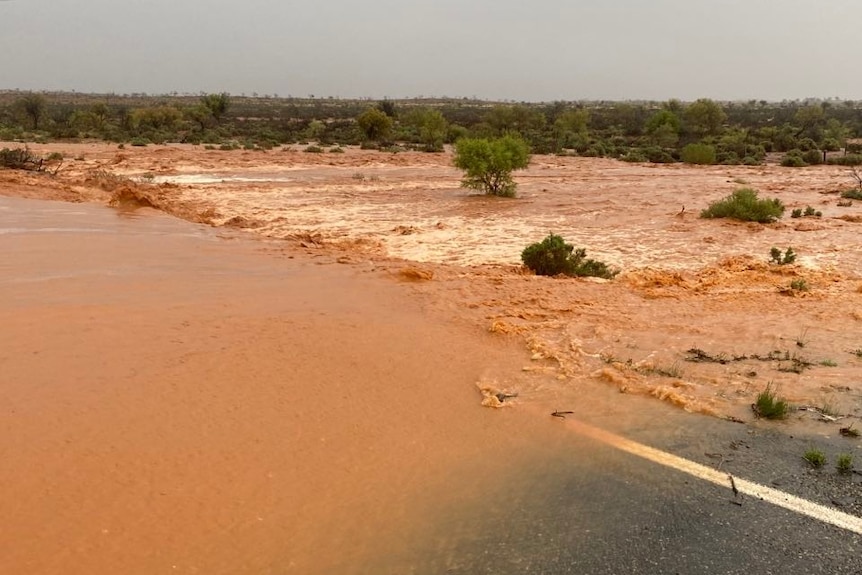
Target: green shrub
{"x":657,"y":155}
{"x":844,"y":463}
{"x":769,"y":405}
{"x":635,"y":156}
{"x":793,"y":161}
{"x":553,"y":256}
{"x":788,"y":257}
{"x":854,"y":194}
{"x":336,"y":150}
{"x":813,"y":157}
{"x":139,"y":142}
{"x":796,"y":213}
{"x":815,"y":458}
{"x":751,"y":161}
{"x":799,"y":285}
{"x":848,"y":160}
{"x":703,"y":154}
{"x":811,"y":212}
{"x":728,"y":159}
{"x":744,"y":205}
{"x":313,"y":150}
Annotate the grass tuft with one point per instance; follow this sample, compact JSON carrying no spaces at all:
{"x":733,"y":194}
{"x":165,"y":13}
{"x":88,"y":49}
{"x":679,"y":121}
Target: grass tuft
{"x":815,"y":458}
{"x":844,"y":463}
{"x":769,"y":405}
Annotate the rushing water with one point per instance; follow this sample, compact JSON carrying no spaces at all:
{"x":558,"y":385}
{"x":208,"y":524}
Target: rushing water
{"x":686,"y":282}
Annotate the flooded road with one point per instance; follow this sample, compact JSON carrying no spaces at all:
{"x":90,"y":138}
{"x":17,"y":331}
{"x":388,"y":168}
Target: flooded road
{"x":178,"y":398}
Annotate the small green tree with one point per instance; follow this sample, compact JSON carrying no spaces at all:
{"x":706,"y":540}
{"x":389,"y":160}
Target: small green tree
{"x":33,"y":107}
{"x":704,"y":118}
{"x":489,"y":163}
{"x":217,"y":104}
{"x":431,"y":127}
{"x":375,"y":124}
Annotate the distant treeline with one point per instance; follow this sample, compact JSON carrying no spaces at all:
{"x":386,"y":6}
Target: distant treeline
{"x":704,"y":131}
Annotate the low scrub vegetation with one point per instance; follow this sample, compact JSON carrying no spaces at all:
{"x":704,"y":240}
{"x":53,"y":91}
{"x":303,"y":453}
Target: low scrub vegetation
{"x":815,"y":458}
{"x":744,"y":205}
{"x":768,"y":405}
{"x":553,"y":256}
{"x":20,"y":159}
{"x":698,"y":154}
{"x":776,"y":257}
{"x":844,"y":463}
{"x":699,"y":132}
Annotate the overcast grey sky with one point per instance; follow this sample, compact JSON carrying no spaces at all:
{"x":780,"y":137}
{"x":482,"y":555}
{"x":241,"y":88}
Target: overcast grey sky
{"x":494,"y":49}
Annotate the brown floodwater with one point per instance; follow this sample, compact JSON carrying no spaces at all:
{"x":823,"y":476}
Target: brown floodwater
{"x":685,"y":283}
{"x":295,"y":387}
{"x":180,"y":401}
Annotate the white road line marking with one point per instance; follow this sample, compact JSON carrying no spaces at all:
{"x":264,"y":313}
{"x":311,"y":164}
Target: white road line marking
{"x":774,"y":496}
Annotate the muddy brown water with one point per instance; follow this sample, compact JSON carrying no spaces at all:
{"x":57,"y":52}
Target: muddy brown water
{"x":174,"y":400}
{"x":686,"y":282}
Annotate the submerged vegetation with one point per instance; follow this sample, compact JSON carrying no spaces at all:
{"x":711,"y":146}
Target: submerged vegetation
{"x":553,"y":256}
{"x":744,"y":205}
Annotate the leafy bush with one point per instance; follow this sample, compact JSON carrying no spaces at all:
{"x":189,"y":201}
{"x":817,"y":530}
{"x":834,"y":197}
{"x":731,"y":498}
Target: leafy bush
{"x":848,"y":160}
{"x":553,"y":256}
{"x":809,"y":212}
{"x":744,"y":205}
{"x":793,"y":161}
{"x":489,"y":163}
{"x":750,"y":161}
{"x":657,"y":155}
{"x":812,"y":157}
{"x":799,"y":285}
{"x":139,"y":142}
{"x":635,"y":156}
{"x":796,"y":213}
{"x":313,"y":150}
{"x":788,"y":257}
{"x":852,"y":194}
{"x":703,"y":154}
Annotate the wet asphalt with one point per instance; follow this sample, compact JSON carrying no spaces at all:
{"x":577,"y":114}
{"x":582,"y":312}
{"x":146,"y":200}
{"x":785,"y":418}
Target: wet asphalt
{"x":583,"y":507}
